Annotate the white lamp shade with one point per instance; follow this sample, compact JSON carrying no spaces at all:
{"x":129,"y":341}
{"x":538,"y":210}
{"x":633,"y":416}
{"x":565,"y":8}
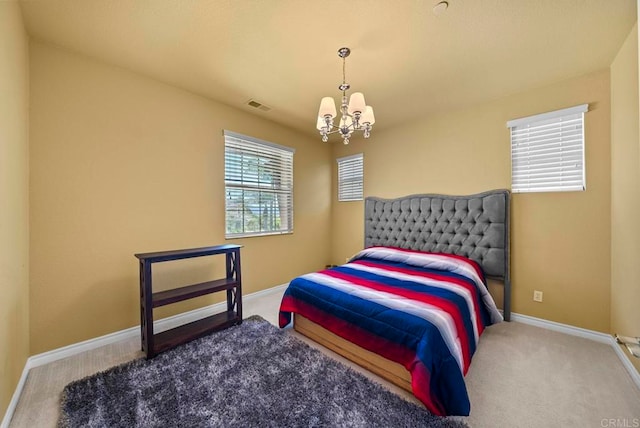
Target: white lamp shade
{"x":321,"y":123}
{"x":367,"y":116}
{"x":356,"y":103}
{"x":327,"y":107}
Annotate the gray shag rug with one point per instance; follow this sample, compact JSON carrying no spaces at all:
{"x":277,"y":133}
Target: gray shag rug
{"x":250,"y":375}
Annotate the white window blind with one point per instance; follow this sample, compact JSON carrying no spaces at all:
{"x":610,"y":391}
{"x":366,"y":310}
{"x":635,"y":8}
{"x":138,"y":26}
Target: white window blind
{"x":350,"y":178}
{"x":547,"y":151}
{"x":258,"y":179}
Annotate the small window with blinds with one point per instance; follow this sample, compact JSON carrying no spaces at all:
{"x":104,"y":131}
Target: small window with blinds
{"x":350,"y":178}
{"x":258,"y":180}
{"x":547,"y":151}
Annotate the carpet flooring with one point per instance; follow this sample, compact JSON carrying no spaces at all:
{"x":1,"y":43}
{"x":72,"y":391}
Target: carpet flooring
{"x":249,"y":375}
{"x":521,"y":376}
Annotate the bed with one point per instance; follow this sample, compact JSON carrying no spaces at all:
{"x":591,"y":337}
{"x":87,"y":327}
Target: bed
{"x":413,"y":303}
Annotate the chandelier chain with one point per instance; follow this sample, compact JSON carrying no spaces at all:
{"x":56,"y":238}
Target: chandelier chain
{"x":344,"y":78}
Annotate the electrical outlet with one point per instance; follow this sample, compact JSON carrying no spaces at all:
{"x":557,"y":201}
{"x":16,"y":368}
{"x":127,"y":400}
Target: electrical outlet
{"x":537,"y":296}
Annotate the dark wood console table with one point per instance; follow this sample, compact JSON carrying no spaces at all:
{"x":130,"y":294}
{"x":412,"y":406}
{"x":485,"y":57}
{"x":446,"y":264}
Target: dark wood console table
{"x":153,"y":344}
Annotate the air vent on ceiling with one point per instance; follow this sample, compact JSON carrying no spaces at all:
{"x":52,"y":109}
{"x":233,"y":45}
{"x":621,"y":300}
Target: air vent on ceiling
{"x":256,"y":104}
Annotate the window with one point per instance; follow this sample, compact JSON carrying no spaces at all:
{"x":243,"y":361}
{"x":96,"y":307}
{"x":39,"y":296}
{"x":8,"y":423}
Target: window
{"x":547,"y":151}
{"x":258,"y":180}
{"x":350,"y":178}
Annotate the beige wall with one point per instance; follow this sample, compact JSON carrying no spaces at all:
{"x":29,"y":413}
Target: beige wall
{"x":625,"y":191}
{"x":14,"y":200}
{"x":122,"y":164}
{"x":560,"y":241}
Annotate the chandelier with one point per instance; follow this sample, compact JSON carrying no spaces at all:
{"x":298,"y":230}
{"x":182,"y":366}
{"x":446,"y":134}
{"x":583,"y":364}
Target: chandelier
{"x":355,"y":116}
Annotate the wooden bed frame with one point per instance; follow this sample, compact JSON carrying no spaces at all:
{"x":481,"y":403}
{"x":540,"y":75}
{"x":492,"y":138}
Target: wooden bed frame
{"x":386,"y":369}
{"x":377,"y":218}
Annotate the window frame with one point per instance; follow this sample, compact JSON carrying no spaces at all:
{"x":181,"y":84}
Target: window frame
{"x":250,"y":174}
{"x":548,"y":151}
{"x":353,"y":164}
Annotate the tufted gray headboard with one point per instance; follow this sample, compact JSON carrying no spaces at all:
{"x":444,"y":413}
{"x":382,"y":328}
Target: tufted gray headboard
{"x":474,"y":226}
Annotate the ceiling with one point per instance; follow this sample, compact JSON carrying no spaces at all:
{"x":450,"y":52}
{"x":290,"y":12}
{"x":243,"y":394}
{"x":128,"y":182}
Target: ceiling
{"x":408,"y":61}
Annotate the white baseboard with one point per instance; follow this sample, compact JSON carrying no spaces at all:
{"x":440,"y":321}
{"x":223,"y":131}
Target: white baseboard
{"x":635,"y":376}
{"x":158,"y":326}
{"x":87,"y":345}
{"x":16,"y":396}
{"x":563,"y":328}
{"x":582,"y":332}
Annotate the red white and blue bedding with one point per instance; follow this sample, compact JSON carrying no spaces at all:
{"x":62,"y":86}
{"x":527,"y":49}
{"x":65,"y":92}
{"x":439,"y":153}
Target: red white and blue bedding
{"x":425,"y":311}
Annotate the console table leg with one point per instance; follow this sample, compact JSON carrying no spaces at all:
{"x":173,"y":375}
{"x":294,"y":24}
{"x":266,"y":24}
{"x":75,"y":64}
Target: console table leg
{"x":147,"y":309}
{"x":238,"y":272}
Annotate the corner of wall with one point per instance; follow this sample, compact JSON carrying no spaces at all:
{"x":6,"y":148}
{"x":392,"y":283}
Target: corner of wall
{"x":14,"y":196}
{"x":625,"y":181}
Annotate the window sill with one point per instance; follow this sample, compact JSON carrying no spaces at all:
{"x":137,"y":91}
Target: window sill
{"x":257,"y":235}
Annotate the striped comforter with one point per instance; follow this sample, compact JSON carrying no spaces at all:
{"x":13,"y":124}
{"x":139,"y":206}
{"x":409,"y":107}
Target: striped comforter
{"x":425,"y":311}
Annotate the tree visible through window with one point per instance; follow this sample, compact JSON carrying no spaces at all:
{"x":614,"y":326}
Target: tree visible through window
{"x":258,"y":187}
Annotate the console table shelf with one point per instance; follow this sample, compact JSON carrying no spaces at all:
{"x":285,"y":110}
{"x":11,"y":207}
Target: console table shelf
{"x":184,"y":333}
{"x":190,"y":291}
{"x":152,"y":344}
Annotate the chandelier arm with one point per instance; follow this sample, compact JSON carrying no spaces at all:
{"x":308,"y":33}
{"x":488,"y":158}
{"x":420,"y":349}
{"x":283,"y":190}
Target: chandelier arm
{"x":332,"y":131}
